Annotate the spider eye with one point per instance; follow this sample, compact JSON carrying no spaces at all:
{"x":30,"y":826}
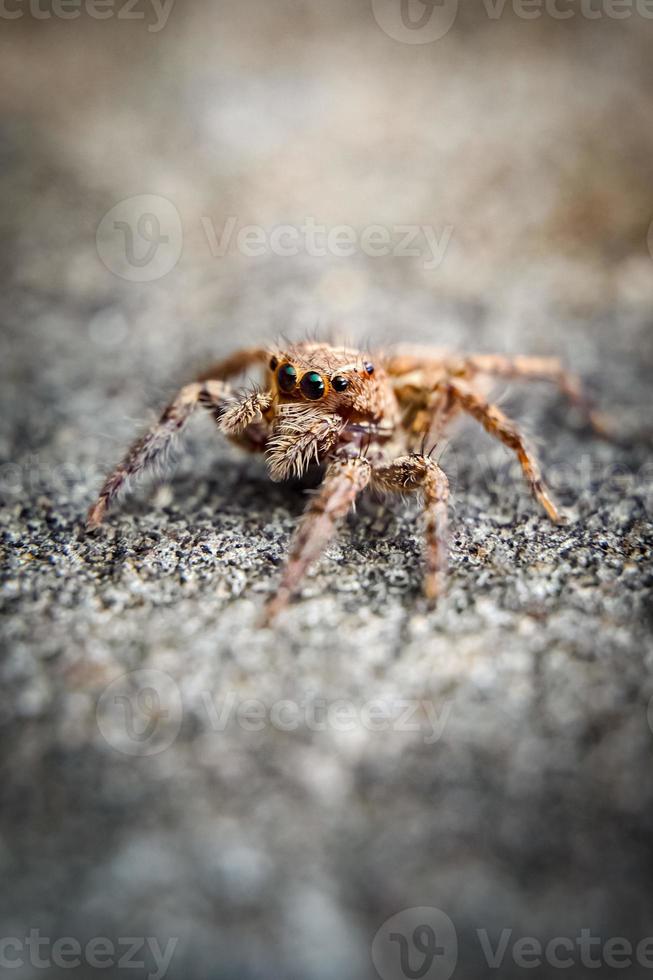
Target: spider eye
{"x":339,"y":383}
{"x":369,"y":367}
{"x":312,"y":386}
{"x":273,"y":363}
{"x":286,"y":377}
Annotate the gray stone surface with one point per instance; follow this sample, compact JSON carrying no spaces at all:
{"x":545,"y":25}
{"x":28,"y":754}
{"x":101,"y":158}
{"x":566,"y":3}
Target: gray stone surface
{"x":254,"y":813}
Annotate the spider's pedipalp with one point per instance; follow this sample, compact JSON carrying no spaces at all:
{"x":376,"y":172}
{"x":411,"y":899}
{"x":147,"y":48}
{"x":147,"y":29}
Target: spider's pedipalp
{"x":241,"y":413}
{"x":299,"y":436}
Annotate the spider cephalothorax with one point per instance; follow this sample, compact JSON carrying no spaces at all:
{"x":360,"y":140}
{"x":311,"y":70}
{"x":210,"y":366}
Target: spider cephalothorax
{"x":365,"y":419}
{"x":323,"y":396}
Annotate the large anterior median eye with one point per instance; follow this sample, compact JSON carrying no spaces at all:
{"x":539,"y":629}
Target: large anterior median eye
{"x":286,"y":377}
{"x":312,"y":386}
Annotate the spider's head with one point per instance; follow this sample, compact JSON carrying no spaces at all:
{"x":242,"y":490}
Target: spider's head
{"x":335,"y":380}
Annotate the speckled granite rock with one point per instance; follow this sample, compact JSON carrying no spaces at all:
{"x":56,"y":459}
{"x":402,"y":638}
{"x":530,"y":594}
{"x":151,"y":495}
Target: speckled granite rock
{"x":269,"y":798}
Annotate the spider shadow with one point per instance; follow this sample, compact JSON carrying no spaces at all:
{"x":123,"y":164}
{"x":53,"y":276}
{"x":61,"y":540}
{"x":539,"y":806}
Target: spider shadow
{"x":231,"y":484}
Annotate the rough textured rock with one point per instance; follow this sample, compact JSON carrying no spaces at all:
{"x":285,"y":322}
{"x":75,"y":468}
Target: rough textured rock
{"x":297,"y":787}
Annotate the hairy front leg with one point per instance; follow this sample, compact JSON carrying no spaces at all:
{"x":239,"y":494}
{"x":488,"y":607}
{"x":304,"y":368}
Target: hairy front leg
{"x":343,"y":481}
{"x":419,"y":474}
{"x":152,"y":447}
{"x":499,"y":425}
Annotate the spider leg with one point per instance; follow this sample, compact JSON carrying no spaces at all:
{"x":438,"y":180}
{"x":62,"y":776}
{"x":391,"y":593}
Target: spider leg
{"x":343,"y":481}
{"x":427,"y":411}
{"x":153,"y":445}
{"x":442,"y":408}
{"x":408,"y":358}
{"x":542,"y":369}
{"x":425,"y":367}
{"x":209,"y":391}
{"x":234,"y":364}
{"x":420,"y":474}
{"x":499,"y":425}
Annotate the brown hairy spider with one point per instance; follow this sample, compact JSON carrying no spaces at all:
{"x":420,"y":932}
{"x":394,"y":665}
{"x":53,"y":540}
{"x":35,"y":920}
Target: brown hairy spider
{"x":367,"y":423}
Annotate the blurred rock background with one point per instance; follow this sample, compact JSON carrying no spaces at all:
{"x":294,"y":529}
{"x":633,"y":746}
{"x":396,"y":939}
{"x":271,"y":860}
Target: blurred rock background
{"x":525,"y":147}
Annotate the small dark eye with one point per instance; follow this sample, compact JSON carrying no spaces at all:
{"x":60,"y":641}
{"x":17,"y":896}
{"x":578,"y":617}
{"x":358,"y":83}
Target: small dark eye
{"x":369,"y":367}
{"x":287,"y":377}
{"x":312,"y":385}
{"x":339,"y":383}
{"x":273,"y":363}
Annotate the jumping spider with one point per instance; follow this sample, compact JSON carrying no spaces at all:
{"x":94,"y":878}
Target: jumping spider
{"x":367,"y":423}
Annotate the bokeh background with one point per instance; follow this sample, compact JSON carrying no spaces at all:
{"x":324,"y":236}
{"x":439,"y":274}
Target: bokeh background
{"x":524,"y":146}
